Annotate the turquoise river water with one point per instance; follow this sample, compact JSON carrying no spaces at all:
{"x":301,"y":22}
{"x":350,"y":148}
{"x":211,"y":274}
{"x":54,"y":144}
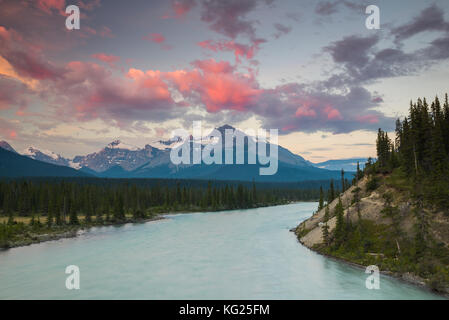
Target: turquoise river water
{"x":240,"y":254}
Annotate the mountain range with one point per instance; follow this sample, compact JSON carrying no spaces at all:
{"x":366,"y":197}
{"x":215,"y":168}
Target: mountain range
{"x":120,"y":160}
{"x":345,"y":164}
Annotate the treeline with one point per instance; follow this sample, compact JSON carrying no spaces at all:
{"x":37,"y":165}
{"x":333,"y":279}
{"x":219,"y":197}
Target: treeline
{"x":63,"y":201}
{"x":421,"y":150}
{"x":188,"y":183}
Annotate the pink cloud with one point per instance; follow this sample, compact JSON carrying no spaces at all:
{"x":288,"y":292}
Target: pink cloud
{"x":288,"y":128}
{"x":106,"y":58}
{"x":332,"y":114}
{"x":214,"y":85}
{"x":305,"y":111}
{"x":212,"y":66}
{"x":85,"y":90}
{"x":240,"y":50}
{"x":12,"y":94}
{"x":91,"y":91}
{"x":32,"y":66}
{"x":5,"y":34}
{"x":49,"y":5}
{"x":218,"y":86}
{"x":368,"y":119}
{"x":208,"y":44}
{"x":25,"y":58}
{"x":89,"y":4}
{"x":159,"y":39}
{"x":182,"y":7}
{"x":87,"y":32}
{"x":106,"y":32}
{"x":154,"y":37}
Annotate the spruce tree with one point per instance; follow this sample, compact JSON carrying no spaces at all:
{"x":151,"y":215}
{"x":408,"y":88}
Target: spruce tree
{"x":331,"y":192}
{"x":343,"y":186}
{"x":73,"y":217}
{"x":119,"y":213}
{"x":325,"y":227}
{"x":321,"y":202}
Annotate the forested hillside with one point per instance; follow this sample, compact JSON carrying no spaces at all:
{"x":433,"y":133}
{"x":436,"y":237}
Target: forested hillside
{"x":396,"y":213}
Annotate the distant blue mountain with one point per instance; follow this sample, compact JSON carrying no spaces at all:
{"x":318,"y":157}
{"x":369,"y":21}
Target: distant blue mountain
{"x":349,"y":165}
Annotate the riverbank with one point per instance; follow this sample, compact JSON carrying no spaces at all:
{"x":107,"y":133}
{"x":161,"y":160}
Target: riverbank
{"x":66,"y":231}
{"x":380,"y":230}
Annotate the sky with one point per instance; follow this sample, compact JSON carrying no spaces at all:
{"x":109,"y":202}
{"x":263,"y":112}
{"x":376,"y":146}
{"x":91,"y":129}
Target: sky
{"x":136,"y":70}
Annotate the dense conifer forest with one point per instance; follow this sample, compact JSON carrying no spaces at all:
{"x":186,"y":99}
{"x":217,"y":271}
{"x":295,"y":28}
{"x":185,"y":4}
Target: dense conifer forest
{"x":54,"y":204}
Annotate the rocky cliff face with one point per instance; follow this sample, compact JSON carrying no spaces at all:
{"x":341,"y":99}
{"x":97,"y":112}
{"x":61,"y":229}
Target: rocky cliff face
{"x":310,"y":229}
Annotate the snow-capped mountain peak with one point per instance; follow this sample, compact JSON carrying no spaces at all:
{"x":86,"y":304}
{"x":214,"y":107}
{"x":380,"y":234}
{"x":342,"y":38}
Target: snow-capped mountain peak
{"x":46,"y":156}
{"x":32,"y":151}
{"x":118,"y":144}
{"x":117,"y":154}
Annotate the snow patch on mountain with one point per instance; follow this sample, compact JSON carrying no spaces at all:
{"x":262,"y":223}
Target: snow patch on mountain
{"x":45,"y":156}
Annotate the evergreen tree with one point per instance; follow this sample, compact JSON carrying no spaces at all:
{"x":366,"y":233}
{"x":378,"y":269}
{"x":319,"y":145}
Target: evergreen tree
{"x":73,"y":217}
{"x":49,"y":221}
{"x":321,"y":202}
{"x":88,"y":217}
{"x":343,"y":185}
{"x":331,"y":196}
{"x":119,"y":213}
{"x":359,"y":173}
{"x":340,"y":227}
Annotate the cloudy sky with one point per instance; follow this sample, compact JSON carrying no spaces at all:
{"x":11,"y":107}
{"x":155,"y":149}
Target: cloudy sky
{"x":136,"y":70}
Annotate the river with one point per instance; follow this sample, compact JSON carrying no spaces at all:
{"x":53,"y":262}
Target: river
{"x":240,"y":254}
